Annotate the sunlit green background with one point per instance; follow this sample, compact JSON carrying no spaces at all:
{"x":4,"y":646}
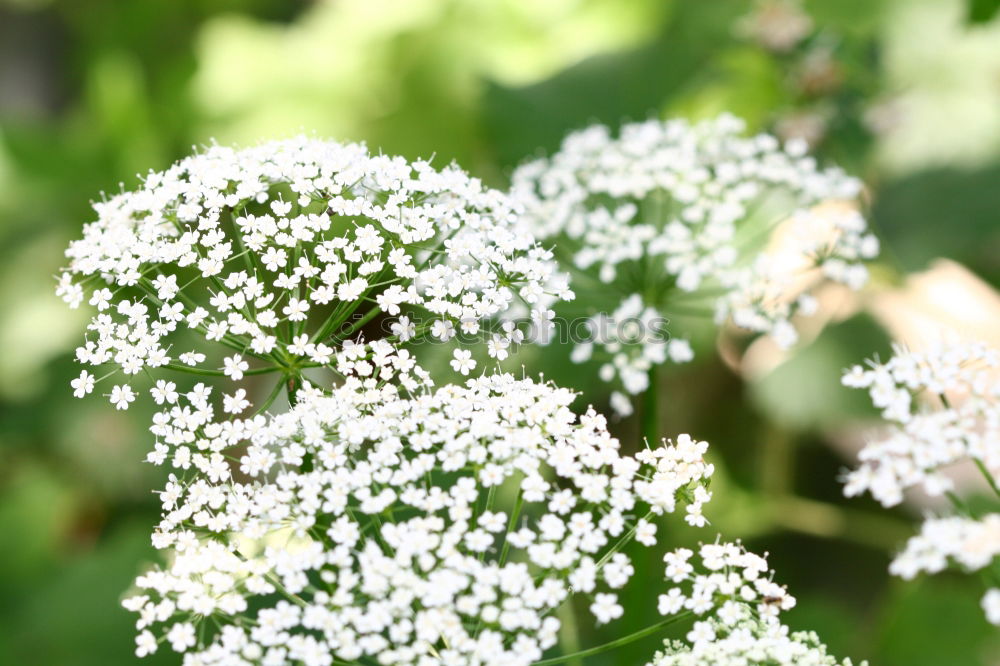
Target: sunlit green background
{"x":905,"y":93}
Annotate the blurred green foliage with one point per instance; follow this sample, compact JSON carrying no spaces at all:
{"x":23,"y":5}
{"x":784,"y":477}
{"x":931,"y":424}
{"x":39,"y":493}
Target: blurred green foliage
{"x":901,"y":92}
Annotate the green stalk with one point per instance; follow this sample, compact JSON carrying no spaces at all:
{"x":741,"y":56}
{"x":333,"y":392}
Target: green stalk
{"x":959,"y":504}
{"x":514,"y":515}
{"x":989,"y":477}
{"x":219,"y":373}
{"x":651,"y":410}
{"x":569,"y":633}
{"x":625,"y":640}
{"x":368,"y":316}
{"x":270,"y":398}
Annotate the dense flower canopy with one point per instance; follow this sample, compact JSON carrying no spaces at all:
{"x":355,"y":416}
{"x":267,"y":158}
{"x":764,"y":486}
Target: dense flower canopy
{"x":380,"y":519}
{"x":693,"y":219}
{"x":276,"y":255}
{"x":442,"y":528}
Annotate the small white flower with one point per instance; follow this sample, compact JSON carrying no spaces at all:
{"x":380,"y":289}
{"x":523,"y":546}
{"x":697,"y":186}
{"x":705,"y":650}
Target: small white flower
{"x":645,"y":533}
{"x":192,"y":358}
{"x":296,"y":309}
{"x":164,"y":391}
{"x":121,"y":396}
{"x":463,"y":361}
{"x":101,"y":299}
{"x":403,"y":328}
{"x":274,"y":259}
{"x":181,"y":636}
{"x":493,"y":522}
{"x":281,"y":208}
{"x":497,"y":348}
{"x":701,"y":632}
{"x":443,"y":330}
{"x":235,"y":403}
{"x":145,"y":644}
{"x":606,"y":608}
{"x":83,"y":384}
{"x":235,"y":366}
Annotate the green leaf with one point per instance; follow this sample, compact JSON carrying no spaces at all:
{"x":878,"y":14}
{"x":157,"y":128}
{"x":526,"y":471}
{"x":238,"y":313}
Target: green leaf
{"x":943,"y":213}
{"x":610,"y":88}
{"x":74,"y":618}
{"x":982,"y":11}
{"x":935,"y":621}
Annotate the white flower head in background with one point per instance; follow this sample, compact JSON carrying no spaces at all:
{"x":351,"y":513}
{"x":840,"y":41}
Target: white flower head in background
{"x":443,"y":527}
{"x":675,"y":221}
{"x":943,"y":408}
{"x":273,"y":257}
{"x":748,"y":642}
{"x":736,"y":603}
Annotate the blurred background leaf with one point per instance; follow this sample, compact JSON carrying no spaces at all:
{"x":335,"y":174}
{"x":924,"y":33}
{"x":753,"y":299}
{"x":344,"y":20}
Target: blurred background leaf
{"x":981,"y":11}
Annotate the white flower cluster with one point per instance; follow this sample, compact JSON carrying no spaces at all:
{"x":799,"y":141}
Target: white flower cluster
{"x":442,"y":528}
{"x":683,"y":215}
{"x":973,"y":544}
{"x":750,"y":642}
{"x":721,"y":580}
{"x":944,"y":407}
{"x":732,"y":593}
{"x":276,"y":255}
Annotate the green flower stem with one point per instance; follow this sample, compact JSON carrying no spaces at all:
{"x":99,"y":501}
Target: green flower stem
{"x":339,"y":315}
{"x":651,"y":410}
{"x":621,"y":543}
{"x":989,"y":477}
{"x":569,"y":633}
{"x":625,"y":640}
{"x":960,"y":505}
{"x":514,"y":515}
{"x":367,"y":317}
{"x":270,"y":398}
{"x":220,"y":373}
{"x":146,"y":286}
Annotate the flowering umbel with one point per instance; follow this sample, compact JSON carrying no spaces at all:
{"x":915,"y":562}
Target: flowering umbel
{"x":274,"y":256}
{"x":674,"y":220}
{"x":382,"y":520}
{"x":943,"y":405}
{"x":732,"y":593}
{"x":442,"y":528}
